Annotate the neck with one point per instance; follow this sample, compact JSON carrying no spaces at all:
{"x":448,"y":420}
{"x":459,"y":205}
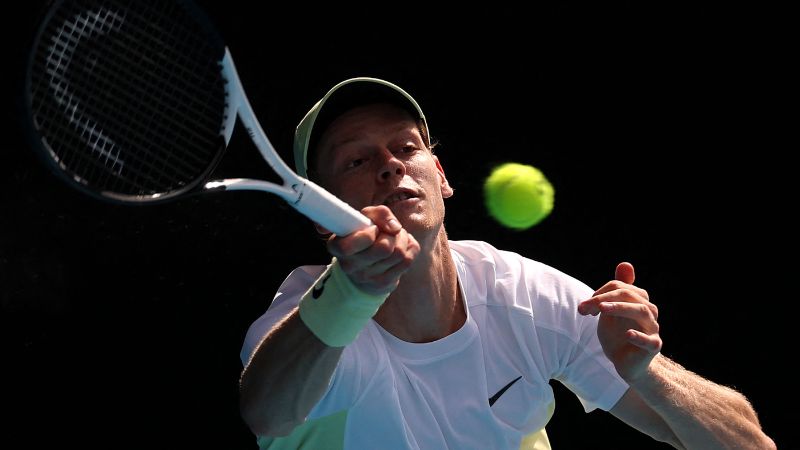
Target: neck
{"x":427,"y":304}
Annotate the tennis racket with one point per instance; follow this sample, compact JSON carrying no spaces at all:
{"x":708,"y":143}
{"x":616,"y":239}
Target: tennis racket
{"x":135,"y":101}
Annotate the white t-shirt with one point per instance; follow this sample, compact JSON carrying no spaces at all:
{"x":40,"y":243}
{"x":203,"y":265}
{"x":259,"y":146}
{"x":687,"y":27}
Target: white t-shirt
{"x":483,"y":387}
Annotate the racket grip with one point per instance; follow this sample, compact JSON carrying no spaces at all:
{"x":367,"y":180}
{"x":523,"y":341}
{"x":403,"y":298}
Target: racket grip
{"x":329,"y":210}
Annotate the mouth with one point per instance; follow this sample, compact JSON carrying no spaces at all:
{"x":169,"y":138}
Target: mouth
{"x":399,"y":196}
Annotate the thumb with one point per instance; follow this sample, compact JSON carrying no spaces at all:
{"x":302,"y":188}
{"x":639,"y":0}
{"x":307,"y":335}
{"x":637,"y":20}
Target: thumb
{"x":625,"y":273}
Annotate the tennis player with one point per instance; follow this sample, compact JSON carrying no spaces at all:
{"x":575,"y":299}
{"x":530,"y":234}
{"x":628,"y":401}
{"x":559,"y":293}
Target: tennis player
{"x":408,"y":340}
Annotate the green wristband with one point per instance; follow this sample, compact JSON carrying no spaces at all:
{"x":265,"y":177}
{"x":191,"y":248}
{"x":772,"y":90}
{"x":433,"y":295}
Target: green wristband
{"x":335,"y":310}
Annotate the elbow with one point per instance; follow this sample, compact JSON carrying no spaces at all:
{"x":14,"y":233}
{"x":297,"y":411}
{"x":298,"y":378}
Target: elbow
{"x":768,"y":444}
{"x":262,"y":423}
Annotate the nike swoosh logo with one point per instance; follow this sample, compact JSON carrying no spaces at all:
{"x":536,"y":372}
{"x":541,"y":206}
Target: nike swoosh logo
{"x":317,"y":291}
{"x":494,"y":398}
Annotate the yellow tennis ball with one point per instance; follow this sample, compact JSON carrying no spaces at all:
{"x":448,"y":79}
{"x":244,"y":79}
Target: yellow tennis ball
{"x":518,"y":196}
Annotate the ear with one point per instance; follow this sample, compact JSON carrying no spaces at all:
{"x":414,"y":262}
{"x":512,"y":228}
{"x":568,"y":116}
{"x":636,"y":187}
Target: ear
{"x":447,"y":191}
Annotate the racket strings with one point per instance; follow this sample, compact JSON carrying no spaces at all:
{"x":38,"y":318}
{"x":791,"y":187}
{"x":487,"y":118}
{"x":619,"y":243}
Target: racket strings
{"x":79,"y":27}
{"x":161,"y":68}
{"x":58,"y":60}
{"x":132,"y":94}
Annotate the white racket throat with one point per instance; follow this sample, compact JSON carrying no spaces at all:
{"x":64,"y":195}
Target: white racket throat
{"x":304,"y":195}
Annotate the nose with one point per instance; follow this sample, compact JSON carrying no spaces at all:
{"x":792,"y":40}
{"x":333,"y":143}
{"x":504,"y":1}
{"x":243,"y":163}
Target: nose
{"x":390,"y":166}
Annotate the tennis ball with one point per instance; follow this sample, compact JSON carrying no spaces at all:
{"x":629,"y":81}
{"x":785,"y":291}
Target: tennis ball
{"x":518,"y":196}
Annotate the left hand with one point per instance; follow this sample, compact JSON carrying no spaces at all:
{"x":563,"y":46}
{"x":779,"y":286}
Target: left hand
{"x":628,"y":327}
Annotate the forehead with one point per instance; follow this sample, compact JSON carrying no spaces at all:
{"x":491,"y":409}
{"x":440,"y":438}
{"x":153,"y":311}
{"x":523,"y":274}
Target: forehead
{"x":365,"y":122}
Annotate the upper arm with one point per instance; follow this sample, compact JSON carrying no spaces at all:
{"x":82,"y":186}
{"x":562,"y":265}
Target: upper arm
{"x":632,"y":410}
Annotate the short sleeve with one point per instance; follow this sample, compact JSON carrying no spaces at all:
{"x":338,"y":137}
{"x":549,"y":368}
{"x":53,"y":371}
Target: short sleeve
{"x":285,"y":300}
{"x":588,"y":372}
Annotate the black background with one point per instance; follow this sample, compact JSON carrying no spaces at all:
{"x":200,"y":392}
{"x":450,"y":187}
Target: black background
{"x":658,"y":126}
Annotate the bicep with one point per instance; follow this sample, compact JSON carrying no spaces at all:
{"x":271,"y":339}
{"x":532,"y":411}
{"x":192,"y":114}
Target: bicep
{"x":632,"y":410}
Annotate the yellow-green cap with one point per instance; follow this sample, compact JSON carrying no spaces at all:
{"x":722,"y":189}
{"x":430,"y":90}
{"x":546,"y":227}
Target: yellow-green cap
{"x":344,"y":96}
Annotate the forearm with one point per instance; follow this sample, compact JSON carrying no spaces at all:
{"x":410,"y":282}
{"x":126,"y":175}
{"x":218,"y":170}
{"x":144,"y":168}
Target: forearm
{"x":702,"y":414}
{"x":287,"y":375}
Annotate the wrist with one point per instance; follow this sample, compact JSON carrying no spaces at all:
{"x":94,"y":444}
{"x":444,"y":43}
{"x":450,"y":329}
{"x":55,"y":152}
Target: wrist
{"x":335,"y":310}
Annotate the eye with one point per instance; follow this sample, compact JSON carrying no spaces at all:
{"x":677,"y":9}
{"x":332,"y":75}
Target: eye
{"x":408,"y":148}
{"x":355,"y":163}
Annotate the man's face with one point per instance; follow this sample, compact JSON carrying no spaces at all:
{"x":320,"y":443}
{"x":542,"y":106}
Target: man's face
{"x":375,"y":155}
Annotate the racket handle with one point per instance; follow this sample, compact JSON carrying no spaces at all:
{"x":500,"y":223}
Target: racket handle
{"x":328,"y":210}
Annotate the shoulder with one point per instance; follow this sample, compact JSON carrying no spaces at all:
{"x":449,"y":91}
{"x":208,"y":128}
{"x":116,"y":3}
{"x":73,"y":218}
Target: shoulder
{"x":481,"y":252}
{"x":481,"y":255}
{"x":510,"y":275}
